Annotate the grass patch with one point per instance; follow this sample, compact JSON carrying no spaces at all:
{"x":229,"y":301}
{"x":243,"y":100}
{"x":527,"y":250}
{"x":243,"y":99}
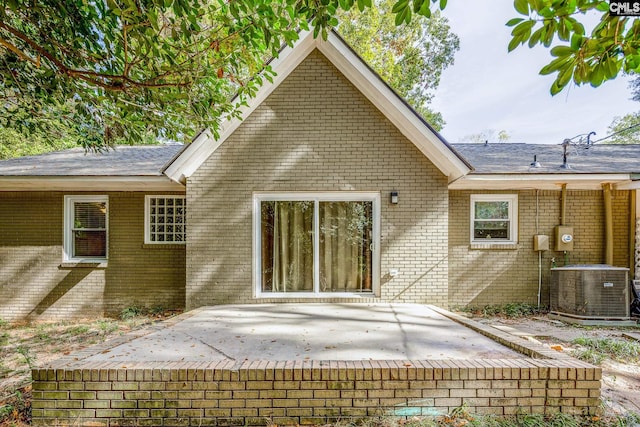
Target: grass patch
{"x":29,"y":357}
{"x":16,"y":409}
{"x":459,"y":417}
{"x":510,"y":310}
{"x":78,"y":330}
{"x":595,"y":350}
{"x":107,"y":326}
{"x":4,"y":338}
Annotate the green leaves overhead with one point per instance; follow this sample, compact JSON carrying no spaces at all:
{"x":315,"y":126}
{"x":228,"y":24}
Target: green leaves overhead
{"x":611,"y":46}
{"x":409,"y":57}
{"x":136,"y":69}
{"x":133,"y":69}
{"x":403,"y":9}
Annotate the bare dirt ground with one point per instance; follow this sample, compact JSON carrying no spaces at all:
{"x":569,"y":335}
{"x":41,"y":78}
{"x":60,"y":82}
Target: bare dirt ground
{"x":25,"y":345}
{"x":621,"y":379}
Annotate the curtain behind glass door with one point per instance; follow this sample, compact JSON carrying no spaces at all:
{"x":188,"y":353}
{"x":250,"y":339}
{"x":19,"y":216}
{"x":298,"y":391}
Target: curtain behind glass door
{"x":345,"y":246}
{"x":287,"y":246}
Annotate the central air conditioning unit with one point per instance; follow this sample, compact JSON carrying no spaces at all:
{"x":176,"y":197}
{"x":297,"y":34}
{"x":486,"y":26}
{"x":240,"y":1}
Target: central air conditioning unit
{"x":590,"y":292}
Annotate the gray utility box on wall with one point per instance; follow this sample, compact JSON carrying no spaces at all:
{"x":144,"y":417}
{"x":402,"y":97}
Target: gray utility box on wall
{"x":590,"y":292}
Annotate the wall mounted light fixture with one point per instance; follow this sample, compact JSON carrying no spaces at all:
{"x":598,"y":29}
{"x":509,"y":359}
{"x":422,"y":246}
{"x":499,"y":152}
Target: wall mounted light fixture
{"x":394,"y":197}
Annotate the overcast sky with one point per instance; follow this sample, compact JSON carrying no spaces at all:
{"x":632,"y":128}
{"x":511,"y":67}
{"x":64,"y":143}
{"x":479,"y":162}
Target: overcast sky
{"x":488,"y":88}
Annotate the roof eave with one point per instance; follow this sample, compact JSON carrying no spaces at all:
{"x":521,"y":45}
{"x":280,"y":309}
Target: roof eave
{"x":524,"y":181}
{"x":89,"y":183}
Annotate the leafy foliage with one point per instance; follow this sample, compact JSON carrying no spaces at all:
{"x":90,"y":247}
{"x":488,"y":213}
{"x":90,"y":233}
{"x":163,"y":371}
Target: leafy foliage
{"x":131,"y":312}
{"x":625,"y":129}
{"x":512,"y":310}
{"x":410,"y":57}
{"x":634,"y":85}
{"x":610,"y":48}
{"x":490,"y":135}
{"x":52,"y":130}
{"x":17,"y":144}
{"x":130,"y":69}
{"x":147,"y":69}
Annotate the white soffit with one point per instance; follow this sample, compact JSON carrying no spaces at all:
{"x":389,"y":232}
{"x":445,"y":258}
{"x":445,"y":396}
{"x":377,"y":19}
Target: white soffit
{"x":88,"y":183}
{"x":540,"y":181}
{"x":361,"y":76}
{"x":629,"y":185}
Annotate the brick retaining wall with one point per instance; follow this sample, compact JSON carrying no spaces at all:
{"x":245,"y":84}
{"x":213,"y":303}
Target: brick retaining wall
{"x":77,"y":391}
{"x":307,"y":392}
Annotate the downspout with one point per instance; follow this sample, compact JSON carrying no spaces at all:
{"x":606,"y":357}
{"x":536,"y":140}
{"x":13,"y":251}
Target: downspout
{"x":539,"y":252}
{"x":636,"y":221}
{"x":608,"y":224}
{"x":563,"y":215}
{"x":563,"y":204}
{"x":633,"y":237}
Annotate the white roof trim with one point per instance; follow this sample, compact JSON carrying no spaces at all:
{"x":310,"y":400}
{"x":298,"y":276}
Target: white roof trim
{"x":393,"y":107}
{"x":88,"y":183}
{"x":540,"y":181}
{"x":629,"y":185}
{"x":361,"y":76}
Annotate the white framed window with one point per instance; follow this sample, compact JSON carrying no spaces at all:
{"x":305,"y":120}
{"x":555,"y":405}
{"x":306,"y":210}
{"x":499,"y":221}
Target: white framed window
{"x":86,"y":228}
{"x":316,"y":244}
{"x":165,"y":219}
{"x":494,"y":218}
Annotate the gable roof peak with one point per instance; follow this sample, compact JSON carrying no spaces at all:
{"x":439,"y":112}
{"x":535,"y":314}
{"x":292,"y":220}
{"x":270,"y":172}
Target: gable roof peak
{"x":354,"y":68}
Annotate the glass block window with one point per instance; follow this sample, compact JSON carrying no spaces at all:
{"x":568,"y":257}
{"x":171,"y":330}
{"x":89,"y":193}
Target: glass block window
{"x":165,"y":219}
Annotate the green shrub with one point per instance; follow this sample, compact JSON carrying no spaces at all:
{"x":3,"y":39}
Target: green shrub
{"x":131,"y":312}
{"x":511,"y":310}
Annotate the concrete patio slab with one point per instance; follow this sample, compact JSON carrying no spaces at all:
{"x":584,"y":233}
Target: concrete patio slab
{"x":308,"y":364}
{"x":310,"y":332}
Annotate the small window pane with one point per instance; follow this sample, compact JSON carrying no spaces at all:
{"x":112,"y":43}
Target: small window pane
{"x":492,"y":210}
{"x":491,"y":230}
{"x":89,"y":243}
{"x":89,"y":215}
{"x":494,"y":217}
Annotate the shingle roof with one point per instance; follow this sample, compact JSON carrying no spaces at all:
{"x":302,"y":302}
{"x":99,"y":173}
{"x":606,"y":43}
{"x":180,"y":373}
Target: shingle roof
{"x":500,"y":158}
{"x":147,"y":160}
{"x":507,"y":158}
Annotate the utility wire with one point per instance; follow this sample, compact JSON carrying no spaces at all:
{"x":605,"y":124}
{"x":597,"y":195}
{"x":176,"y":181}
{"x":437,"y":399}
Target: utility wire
{"x":616,"y":133}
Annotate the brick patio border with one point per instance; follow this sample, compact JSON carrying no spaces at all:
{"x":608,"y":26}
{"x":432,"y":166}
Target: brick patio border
{"x":75,"y":392}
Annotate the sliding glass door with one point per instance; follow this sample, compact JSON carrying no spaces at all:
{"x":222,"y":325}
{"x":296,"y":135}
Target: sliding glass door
{"x":307,"y":244}
{"x":287,"y":246}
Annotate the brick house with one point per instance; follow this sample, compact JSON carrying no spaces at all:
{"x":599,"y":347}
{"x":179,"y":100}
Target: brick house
{"x":330,"y":188}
